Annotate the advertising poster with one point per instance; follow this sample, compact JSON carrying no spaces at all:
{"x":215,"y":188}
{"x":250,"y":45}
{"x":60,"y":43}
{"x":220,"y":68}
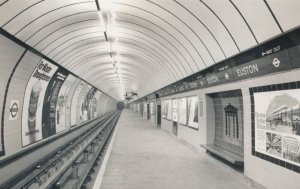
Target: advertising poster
{"x":74,"y":103}
{"x":165,"y":109}
{"x":145,"y":110}
{"x":83,"y":105}
{"x":182,"y":102}
{"x":228,"y":113}
{"x":151,"y":108}
{"x":61,"y":104}
{"x":100,"y":107}
{"x":277,"y":124}
{"x":50,"y":101}
{"x":94,"y":105}
{"x":92,"y":101}
{"x":1,"y":144}
{"x":33,"y":102}
{"x":88,"y":105}
{"x":192,"y":111}
{"x":175,"y":110}
{"x":169,"y":107}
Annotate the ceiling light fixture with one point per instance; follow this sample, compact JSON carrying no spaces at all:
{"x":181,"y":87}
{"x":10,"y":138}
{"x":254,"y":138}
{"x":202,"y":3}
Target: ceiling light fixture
{"x":108,"y":17}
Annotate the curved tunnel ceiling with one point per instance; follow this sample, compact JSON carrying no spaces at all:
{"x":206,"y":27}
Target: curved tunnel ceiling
{"x":152,"y":43}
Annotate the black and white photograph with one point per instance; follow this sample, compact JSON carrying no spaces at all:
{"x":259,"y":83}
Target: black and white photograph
{"x":88,"y":103}
{"x":50,"y":115}
{"x":83,"y":104}
{"x":145,"y":110}
{"x":1,"y":144}
{"x":165,"y":109}
{"x":150,"y":94}
{"x":94,"y":105}
{"x":291,"y":149}
{"x":232,"y":122}
{"x":61,"y":106}
{"x":278,"y":111}
{"x":139,"y":108}
{"x":169,"y":109}
{"x":274,"y":144}
{"x":192,"y":112}
{"x":152,"y":108}
{"x":182,"y":104}
{"x":74,"y":106}
{"x":175,"y":110}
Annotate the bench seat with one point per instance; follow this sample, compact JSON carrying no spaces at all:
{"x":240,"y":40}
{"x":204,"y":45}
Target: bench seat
{"x":228,"y":156}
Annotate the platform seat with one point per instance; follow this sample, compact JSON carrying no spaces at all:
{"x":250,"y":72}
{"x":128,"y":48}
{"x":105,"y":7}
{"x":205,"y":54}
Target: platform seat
{"x":228,"y":156}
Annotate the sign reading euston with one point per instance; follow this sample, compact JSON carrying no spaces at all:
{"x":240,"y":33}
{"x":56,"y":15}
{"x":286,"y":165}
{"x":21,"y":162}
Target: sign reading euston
{"x":280,"y":54}
{"x":265,"y":65}
{"x":246,"y":70}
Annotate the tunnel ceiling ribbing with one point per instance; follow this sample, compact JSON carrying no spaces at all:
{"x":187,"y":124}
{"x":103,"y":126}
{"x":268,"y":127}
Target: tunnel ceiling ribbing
{"x":157,"y":41}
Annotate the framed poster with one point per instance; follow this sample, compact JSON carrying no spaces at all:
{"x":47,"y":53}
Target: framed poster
{"x":145,"y":110}
{"x":165,"y":109}
{"x":182,"y":103}
{"x":50,"y":112}
{"x":34,"y":100}
{"x":175,"y":110}
{"x":151,"y":108}
{"x":276,"y":125}
{"x":138,"y":108}
{"x":75,"y":99}
{"x":93,"y":106}
{"x":169,"y":109}
{"x":86,"y":102}
{"x":61,"y":105}
{"x":192,"y":112}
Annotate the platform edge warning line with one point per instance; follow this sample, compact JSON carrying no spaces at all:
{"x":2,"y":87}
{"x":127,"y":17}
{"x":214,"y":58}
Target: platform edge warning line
{"x":99,"y":178}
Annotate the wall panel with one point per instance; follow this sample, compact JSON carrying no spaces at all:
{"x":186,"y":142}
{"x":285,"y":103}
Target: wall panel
{"x":10,"y":53}
{"x":12,"y":128}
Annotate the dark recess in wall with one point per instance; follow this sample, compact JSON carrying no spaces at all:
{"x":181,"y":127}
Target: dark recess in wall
{"x":120,"y":105}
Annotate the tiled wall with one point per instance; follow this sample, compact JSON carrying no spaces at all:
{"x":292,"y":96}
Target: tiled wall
{"x":255,"y":168}
{"x":285,"y":125}
{"x":230,"y":137}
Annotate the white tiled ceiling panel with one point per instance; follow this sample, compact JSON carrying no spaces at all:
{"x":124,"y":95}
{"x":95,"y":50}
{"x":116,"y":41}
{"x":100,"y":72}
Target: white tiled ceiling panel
{"x":143,"y":45}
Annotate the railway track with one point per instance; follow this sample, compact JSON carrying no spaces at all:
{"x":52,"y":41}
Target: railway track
{"x":74,"y":165}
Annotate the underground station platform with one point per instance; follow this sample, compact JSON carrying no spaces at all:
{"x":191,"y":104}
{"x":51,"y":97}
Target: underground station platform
{"x":145,"y":156}
{"x":149,"y":94}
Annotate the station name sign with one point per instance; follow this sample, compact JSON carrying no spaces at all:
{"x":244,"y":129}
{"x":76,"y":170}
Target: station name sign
{"x":280,"y":54}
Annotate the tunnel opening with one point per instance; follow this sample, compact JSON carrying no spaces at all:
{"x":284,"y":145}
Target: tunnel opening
{"x":120,"y":106}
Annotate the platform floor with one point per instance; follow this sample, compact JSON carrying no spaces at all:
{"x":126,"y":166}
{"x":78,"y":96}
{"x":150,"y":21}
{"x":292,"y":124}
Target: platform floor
{"x":146,"y":157}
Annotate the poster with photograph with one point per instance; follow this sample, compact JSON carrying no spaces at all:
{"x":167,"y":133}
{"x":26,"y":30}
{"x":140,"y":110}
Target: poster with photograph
{"x":94,"y":105}
{"x":50,"y":101}
{"x":145,"y":110}
{"x":151,"y":108}
{"x":33,"y":102}
{"x":61,"y":104}
{"x":165,"y":109}
{"x":82,"y":113}
{"x":175,"y":110}
{"x":169,"y":111}
{"x":182,"y":103}
{"x":74,"y":103}
{"x":1,"y":144}
{"x":277,"y":124}
{"x":90,"y":103}
{"x":192,"y":110}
